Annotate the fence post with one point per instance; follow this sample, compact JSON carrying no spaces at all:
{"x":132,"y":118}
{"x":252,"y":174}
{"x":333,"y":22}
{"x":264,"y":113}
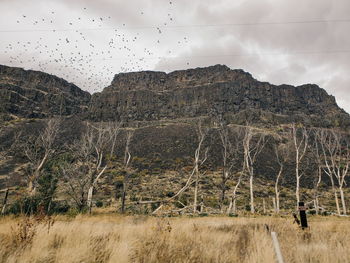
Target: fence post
{"x":303,"y":219}
{"x":276,"y":245}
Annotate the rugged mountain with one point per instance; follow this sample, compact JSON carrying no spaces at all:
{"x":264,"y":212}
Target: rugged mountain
{"x":162,"y":107}
{"x":153,"y":96}
{"x":147,"y":95}
{"x":33,"y":94}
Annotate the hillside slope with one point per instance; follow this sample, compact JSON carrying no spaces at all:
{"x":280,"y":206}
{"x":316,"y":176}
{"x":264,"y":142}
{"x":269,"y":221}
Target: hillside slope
{"x":163,"y":109}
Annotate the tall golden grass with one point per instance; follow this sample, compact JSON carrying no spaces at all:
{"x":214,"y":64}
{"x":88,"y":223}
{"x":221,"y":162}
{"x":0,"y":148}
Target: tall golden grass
{"x":108,"y":238}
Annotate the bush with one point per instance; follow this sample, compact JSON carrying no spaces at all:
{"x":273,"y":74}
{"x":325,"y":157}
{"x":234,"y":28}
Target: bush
{"x":154,"y":206}
{"x":25,"y":205}
{"x":170,"y":194}
{"x":72,"y":212}
{"x":59,"y":207}
{"x":232,"y":215}
{"x":134,"y":198}
{"x":99,"y":203}
{"x":34,"y":205}
{"x":118,"y":186}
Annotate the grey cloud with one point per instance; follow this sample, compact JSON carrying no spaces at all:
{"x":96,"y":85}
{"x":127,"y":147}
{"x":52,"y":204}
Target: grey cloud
{"x":271,"y":52}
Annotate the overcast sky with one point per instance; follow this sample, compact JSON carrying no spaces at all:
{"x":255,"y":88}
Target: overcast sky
{"x":87,"y":42}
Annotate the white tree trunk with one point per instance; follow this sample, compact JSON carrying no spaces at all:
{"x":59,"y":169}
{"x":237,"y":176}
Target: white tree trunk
{"x":337,"y":201}
{"x":342,"y":200}
{"x":277,"y":202}
{"x":229,"y":209}
{"x":232,"y":207}
{"x":252,"y":209}
{"x":89,"y":198}
{"x":319,"y":173}
{"x":196,"y":190}
{"x":31,"y":188}
{"x":201,"y":205}
{"x":277,"y":197}
{"x":300,"y":151}
{"x":316,"y":200}
{"x":197,"y":163}
{"x":297,"y":188}
{"x":250,"y":154}
{"x":264,"y":206}
{"x":335,"y":194}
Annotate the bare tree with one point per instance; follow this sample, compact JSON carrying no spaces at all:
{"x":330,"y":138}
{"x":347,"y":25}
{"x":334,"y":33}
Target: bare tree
{"x":336,"y":153}
{"x":38,"y":150}
{"x":328,"y":149}
{"x":199,"y":160}
{"x":127,"y":169}
{"x":251,"y":150}
{"x":281,"y":153}
{"x":4,"y":154}
{"x":95,"y":142}
{"x":230,"y":142}
{"x":113,"y":128}
{"x":76,"y":183}
{"x":89,"y":163}
{"x":317,"y":155}
{"x":232,"y":208}
{"x":300,"y":140}
{"x":226,"y":165}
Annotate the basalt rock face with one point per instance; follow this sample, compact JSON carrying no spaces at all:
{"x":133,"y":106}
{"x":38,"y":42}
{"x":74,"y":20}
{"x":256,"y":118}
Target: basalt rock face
{"x":161,"y":81}
{"x":146,"y":96}
{"x":33,"y":94}
{"x":152,"y":96}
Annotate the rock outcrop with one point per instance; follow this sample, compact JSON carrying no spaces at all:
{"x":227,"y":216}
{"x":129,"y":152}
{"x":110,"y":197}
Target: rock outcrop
{"x":153,"y":96}
{"x":33,"y":94}
{"x":146,"y":96}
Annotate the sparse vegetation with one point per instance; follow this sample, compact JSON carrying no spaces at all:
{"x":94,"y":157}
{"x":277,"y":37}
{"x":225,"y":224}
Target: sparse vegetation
{"x":111,"y":238}
{"x":205,"y":213}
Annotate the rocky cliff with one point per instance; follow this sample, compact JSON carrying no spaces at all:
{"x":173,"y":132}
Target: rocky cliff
{"x":153,"y":96}
{"x":33,"y":94}
{"x":146,"y":96}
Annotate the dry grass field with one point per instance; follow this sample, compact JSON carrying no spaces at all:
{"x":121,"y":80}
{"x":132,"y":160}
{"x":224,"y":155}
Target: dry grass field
{"x":111,"y":238}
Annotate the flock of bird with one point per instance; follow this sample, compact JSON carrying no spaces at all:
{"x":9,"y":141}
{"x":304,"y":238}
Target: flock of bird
{"x":88,"y":57}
